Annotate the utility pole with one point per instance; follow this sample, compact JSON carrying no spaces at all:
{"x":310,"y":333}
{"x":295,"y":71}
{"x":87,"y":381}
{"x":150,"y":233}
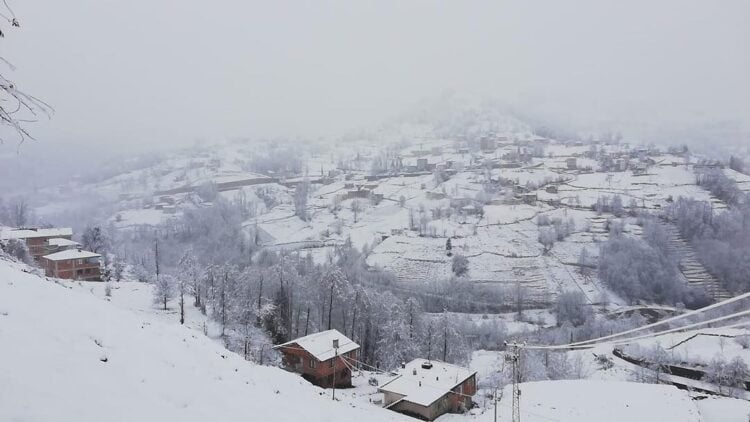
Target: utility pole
{"x":495,"y":400}
{"x":513,"y":355}
{"x":335,"y":358}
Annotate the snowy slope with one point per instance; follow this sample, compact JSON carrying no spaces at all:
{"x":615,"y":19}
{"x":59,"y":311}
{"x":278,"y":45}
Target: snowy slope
{"x":586,"y":400}
{"x":55,"y":340}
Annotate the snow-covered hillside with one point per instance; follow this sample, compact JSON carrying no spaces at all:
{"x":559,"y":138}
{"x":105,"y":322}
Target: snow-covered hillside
{"x":68,"y":355}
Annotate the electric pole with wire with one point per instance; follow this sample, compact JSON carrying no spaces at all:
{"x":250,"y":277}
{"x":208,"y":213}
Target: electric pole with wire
{"x":513,"y":355}
{"x":335,"y":358}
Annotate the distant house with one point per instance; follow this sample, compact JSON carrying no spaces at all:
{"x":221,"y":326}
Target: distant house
{"x":529,"y":198}
{"x":551,"y":188}
{"x":72,"y":264}
{"x":435,"y":195}
{"x":36,"y":239}
{"x":570,"y":163}
{"x":428,"y":389}
{"x":321,"y":358}
{"x":470,"y":210}
{"x":487,"y":144}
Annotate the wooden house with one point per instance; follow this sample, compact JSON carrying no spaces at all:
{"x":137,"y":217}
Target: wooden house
{"x":428,"y":389}
{"x":325,"y":358}
{"x":72,"y":264}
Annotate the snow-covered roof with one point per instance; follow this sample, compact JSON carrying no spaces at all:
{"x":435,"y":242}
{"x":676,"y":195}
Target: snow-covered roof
{"x":6,"y":234}
{"x":320,"y":345}
{"x":71,"y":254}
{"x":58,"y":241}
{"x":424,"y":386}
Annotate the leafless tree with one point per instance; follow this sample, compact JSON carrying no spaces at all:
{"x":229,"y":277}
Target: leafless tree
{"x":17,"y":108}
{"x":356,"y":209}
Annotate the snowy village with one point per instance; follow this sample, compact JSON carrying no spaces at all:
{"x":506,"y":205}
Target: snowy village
{"x":466,"y":258}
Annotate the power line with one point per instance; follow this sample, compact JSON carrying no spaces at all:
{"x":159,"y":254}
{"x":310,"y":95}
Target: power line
{"x":631,"y":339}
{"x":598,"y":340}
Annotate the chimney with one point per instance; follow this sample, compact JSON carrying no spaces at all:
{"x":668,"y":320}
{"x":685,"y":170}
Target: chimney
{"x":403,"y":365}
{"x":414,"y":371}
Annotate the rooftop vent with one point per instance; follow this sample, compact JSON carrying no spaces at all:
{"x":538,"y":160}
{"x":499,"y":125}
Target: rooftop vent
{"x":427,"y":365}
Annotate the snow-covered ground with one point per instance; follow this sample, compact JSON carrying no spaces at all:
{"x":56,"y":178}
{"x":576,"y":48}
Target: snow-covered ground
{"x":581,"y":400}
{"x":501,"y":244}
{"x":68,"y":354}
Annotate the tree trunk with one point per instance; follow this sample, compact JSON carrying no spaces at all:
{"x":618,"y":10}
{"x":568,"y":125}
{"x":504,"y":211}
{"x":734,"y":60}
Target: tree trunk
{"x":296,"y":323}
{"x":354,"y":313}
{"x":182,"y":307}
{"x":445,"y":342}
{"x":307,"y":320}
{"x":330,"y":307}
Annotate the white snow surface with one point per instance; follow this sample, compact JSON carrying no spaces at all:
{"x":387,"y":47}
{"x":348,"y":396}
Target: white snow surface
{"x":588,"y":400}
{"x":71,"y":254}
{"x":424,"y":386}
{"x":320,"y":344}
{"x":55,"y":340}
{"x":11,"y":233}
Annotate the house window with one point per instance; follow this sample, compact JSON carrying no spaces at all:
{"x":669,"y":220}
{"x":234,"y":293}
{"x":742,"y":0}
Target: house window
{"x":312,"y":363}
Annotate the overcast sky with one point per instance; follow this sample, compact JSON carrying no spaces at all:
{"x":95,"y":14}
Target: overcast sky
{"x":173,"y":71}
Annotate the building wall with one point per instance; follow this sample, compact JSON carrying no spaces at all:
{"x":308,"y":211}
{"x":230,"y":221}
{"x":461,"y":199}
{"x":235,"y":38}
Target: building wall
{"x":71,"y":270}
{"x":38,"y":245}
{"x":456,"y":401}
{"x":296,"y":360}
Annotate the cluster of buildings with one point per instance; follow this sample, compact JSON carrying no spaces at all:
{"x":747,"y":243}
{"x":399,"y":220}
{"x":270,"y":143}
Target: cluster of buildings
{"x":54,"y":250}
{"x":424,"y":389}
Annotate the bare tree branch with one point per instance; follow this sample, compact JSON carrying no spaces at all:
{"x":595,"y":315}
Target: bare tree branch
{"x":16,"y":106}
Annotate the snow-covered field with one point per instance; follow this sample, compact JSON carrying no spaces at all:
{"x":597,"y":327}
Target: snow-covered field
{"x":405,"y":231}
{"x":70,"y":355}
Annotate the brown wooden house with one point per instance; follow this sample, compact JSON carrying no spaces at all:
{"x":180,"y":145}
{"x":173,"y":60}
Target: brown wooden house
{"x":72,"y":264}
{"x":325,"y":358}
{"x":427,"y":389}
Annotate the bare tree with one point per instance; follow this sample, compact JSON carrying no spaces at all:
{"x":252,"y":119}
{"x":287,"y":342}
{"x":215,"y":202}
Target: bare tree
{"x":356,"y":208}
{"x":164,"y":289}
{"x":182,"y":287}
{"x":16,"y":107}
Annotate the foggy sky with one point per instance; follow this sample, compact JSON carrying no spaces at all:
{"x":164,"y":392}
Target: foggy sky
{"x":141,"y":72}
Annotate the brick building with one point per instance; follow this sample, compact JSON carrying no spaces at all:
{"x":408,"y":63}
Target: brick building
{"x":36,"y":239}
{"x":72,"y":264}
{"x":315,"y":357}
{"x":428,"y":389}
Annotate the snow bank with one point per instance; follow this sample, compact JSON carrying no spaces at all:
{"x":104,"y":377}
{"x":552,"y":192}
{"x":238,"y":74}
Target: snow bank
{"x":68,"y":355}
{"x":596,"y":401}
